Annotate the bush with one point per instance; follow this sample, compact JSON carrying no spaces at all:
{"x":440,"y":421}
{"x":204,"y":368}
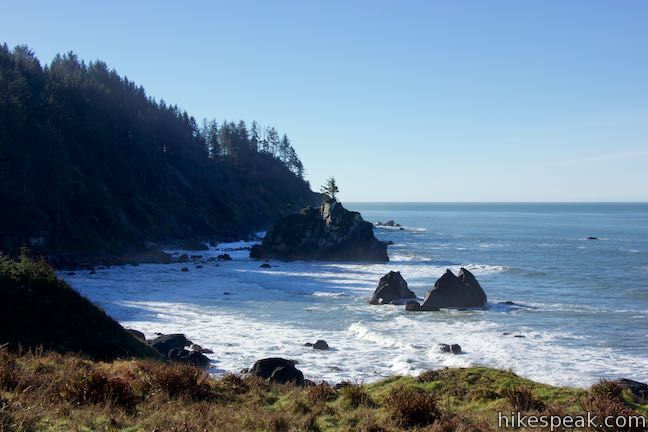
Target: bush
{"x":521,"y":399}
{"x":95,"y":387}
{"x":179,"y":380}
{"x":412,"y":406}
{"x":605,"y":405}
{"x":354,"y":396}
{"x":610,"y":389}
{"x":321,"y":393}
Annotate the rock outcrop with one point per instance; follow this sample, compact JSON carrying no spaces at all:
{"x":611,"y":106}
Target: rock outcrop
{"x":165,"y":343}
{"x":392,"y":289}
{"x":194,"y":358}
{"x":330,"y":233}
{"x":450,"y":291}
{"x":278,"y":370}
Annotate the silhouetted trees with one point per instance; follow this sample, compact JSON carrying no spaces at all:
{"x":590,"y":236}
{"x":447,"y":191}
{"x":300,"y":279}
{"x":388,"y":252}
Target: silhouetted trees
{"x":88,"y":160}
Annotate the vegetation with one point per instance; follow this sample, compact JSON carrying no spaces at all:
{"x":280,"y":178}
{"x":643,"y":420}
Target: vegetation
{"x":90,"y":163}
{"x":40,"y":312}
{"x":330,"y":188}
{"x":54,"y":392}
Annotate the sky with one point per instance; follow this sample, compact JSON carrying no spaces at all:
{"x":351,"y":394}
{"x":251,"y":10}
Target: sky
{"x":398,"y":100}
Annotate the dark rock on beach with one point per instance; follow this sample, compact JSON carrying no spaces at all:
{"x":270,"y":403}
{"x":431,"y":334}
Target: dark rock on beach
{"x":165,"y":343}
{"x":452,"y":291}
{"x":638,"y":389}
{"x":278,"y":370}
{"x":392,"y":289}
{"x":329,"y":233}
{"x":195,"y":358}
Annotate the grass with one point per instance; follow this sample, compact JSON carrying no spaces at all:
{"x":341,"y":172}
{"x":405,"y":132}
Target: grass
{"x":54,"y":392}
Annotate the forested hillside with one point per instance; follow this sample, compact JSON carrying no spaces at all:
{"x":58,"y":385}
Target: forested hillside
{"x":89,"y":163}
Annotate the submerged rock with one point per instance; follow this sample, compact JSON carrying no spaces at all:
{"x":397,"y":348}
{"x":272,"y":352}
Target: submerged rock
{"x":392,"y":289}
{"x":265,"y":265}
{"x":278,"y":370}
{"x":452,"y":291}
{"x":329,"y":233}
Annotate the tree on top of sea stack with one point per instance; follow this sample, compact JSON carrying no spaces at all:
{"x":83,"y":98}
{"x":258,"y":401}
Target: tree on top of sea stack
{"x":329,"y":233}
{"x":330,"y":188}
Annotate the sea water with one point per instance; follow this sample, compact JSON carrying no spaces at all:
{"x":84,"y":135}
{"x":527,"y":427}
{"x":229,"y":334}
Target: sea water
{"x":582,"y":314}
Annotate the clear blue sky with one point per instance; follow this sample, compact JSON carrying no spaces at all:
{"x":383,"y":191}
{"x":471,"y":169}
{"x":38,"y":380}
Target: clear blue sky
{"x":400,"y":101}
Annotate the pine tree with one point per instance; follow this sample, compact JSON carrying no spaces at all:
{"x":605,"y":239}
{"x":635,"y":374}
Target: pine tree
{"x":330,"y":188}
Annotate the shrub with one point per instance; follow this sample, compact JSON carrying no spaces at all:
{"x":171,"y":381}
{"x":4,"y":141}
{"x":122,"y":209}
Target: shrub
{"x":454,"y":423}
{"x":279,"y":423}
{"x":521,"y":399}
{"x":354,"y":396}
{"x":9,"y":372}
{"x":321,"y":393}
{"x":412,"y":406}
{"x":610,"y":389}
{"x":602,"y":406}
{"x":95,"y":387}
{"x":179,"y":380}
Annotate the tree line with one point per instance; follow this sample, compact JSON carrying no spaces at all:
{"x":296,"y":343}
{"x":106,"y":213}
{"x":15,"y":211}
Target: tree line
{"x":89,"y":161}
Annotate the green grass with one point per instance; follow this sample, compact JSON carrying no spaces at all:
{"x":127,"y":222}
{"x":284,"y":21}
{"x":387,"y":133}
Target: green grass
{"x":54,"y":392}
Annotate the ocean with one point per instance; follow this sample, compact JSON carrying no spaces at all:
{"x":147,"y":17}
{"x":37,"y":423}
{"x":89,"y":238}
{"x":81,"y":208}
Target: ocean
{"x":582,"y":314}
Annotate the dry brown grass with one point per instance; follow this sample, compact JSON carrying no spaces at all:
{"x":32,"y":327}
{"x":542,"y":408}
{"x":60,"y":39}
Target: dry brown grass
{"x":412,"y":406}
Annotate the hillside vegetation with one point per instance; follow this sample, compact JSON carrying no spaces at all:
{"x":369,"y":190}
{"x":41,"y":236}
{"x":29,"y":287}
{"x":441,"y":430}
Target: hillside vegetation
{"x":40,"y":312}
{"x":90,"y":164}
{"x":51,"y":392}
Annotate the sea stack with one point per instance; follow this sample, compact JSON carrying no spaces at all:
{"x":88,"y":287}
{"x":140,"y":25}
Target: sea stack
{"x":330,"y":233}
{"x":450,"y":291}
{"x":392,"y":289}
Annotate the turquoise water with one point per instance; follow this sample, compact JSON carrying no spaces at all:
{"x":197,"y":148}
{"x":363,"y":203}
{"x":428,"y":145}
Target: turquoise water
{"x":584,"y":313}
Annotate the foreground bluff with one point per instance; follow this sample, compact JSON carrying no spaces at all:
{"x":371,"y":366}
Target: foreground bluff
{"x":330,"y":233}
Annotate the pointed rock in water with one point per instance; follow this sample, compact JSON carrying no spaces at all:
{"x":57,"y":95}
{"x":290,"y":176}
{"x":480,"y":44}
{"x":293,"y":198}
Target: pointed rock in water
{"x":392,"y":289}
{"x":321,"y":345}
{"x":329,"y":233}
{"x":265,"y":265}
{"x":452,"y":291}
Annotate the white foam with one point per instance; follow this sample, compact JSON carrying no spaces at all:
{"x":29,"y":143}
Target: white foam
{"x":273,"y":312}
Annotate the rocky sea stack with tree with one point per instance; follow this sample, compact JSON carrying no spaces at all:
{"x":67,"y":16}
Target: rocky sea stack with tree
{"x":330,"y":233}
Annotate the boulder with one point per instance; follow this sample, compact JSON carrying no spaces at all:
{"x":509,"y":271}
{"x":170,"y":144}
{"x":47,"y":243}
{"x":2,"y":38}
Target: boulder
{"x":198,"y":348}
{"x":454,"y":348}
{"x":224,"y":257}
{"x":638,"y":389}
{"x":194,"y":358}
{"x":278,"y":370}
{"x":392,"y":289}
{"x":165,"y":343}
{"x":265,"y":265}
{"x":330,"y":233}
{"x":321,"y":345}
{"x":452,"y":291}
